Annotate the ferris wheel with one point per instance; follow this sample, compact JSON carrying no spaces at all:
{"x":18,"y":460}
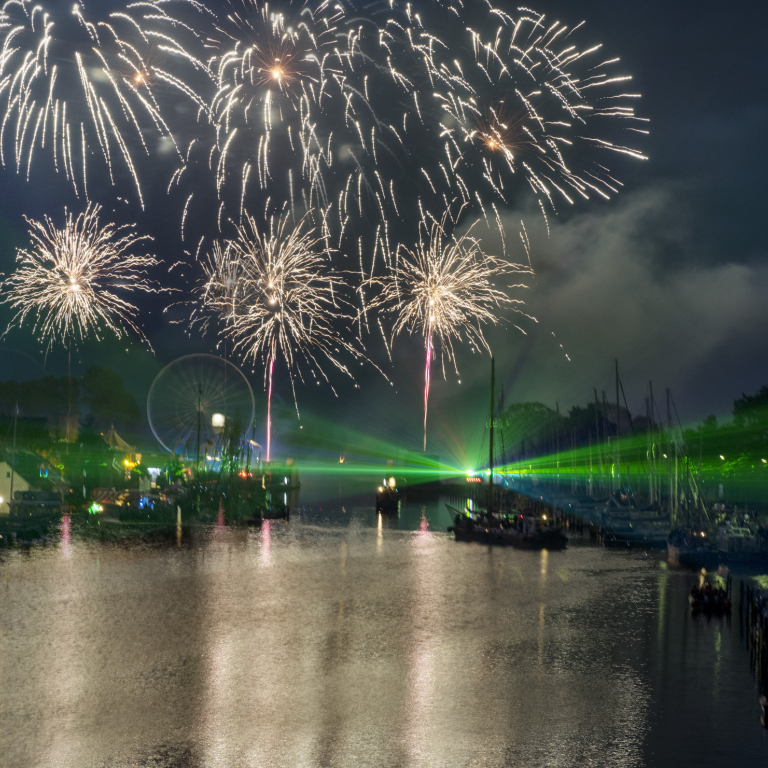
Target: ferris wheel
{"x":196,"y":399}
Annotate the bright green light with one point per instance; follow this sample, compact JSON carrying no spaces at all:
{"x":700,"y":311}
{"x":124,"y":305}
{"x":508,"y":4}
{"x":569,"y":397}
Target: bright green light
{"x":95,"y":508}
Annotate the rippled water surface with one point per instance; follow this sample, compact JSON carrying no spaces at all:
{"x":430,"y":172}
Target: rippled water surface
{"x":336,"y":641}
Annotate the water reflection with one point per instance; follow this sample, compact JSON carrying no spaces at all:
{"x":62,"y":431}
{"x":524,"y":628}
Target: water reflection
{"x":352,"y":639}
{"x":420,"y":710}
{"x":64,"y":678}
{"x":66,"y":536}
{"x":265,"y":556}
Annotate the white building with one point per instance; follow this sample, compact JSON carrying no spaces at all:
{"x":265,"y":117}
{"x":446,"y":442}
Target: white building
{"x":19,"y":484}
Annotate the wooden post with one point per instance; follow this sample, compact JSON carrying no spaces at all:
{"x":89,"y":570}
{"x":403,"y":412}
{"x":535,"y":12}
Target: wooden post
{"x":557,"y":445}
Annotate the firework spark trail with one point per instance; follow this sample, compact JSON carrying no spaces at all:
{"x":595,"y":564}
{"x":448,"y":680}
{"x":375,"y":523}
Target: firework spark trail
{"x":305,"y":80}
{"x":427,"y":380}
{"x":292,"y":81}
{"x":269,"y":406}
{"x":526,"y":105}
{"x":444,"y":290}
{"x":59,"y":71}
{"x":273,"y":293}
{"x":70,"y":278}
{"x":521,"y":108}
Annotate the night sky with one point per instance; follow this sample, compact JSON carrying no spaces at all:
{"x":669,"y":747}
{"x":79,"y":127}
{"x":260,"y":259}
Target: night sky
{"x":670,"y":276}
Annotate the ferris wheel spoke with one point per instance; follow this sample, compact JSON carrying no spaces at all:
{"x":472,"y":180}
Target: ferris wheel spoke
{"x":188,"y":392}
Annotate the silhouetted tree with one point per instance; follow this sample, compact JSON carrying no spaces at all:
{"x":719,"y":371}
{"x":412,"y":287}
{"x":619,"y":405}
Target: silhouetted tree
{"x":107,"y":398}
{"x":750,"y":412}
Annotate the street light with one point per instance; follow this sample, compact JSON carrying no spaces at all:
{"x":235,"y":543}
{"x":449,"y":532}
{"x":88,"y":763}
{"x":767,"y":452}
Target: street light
{"x":218,"y":420}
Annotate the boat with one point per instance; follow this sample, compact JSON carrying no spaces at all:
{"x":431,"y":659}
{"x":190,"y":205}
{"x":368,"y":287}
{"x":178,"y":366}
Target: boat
{"x":491,"y":526}
{"x":388,"y":498}
{"x":692,"y":550}
{"x":738,"y":544}
{"x":633,"y":536}
{"x":515,"y":530}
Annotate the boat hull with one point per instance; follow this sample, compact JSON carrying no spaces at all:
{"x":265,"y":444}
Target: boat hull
{"x":553,"y":539}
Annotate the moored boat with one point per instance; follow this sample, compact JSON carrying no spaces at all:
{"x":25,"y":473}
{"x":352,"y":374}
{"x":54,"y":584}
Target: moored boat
{"x":388,"y":498}
{"x":494,"y":527}
{"x":520,"y":531}
{"x":692,"y":550}
{"x":738,"y":544}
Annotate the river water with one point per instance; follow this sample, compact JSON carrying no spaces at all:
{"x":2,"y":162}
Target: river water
{"x":341,"y":639}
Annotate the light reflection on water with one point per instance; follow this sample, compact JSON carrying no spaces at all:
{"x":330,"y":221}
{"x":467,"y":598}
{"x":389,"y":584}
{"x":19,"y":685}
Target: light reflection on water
{"x":348,"y":639}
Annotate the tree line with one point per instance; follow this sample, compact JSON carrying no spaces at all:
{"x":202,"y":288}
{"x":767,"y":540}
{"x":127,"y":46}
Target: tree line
{"x":92,"y":402}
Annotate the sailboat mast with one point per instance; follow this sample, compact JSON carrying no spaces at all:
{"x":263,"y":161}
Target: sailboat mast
{"x":618,"y":430}
{"x":597,"y":442}
{"x":490,"y":450}
{"x":13,"y":456}
{"x":199,"y":412}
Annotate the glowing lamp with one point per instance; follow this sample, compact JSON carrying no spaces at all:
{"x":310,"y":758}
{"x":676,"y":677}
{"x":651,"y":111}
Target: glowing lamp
{"x":218,"y":420}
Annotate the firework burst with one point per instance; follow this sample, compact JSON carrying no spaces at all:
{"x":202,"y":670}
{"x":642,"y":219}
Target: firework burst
{"x":371,"y":109}
{"x":275,"y":296}
{"x":548,"y":106}
{"x":269,"y":74}
{"x":71,"y":279}
{"x":70,"y":85}
{"x":291,"y":106}
{"x":444,"y":291}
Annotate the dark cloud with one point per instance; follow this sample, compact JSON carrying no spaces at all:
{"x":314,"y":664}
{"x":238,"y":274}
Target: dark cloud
{"x":622,"y":282}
